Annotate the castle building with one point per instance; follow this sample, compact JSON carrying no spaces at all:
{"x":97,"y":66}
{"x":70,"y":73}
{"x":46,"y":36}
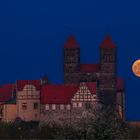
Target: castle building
{"x":103,"y":73}
{"x":85,"y":86}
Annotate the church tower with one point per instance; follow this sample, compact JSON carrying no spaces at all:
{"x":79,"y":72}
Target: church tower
{"x":107,"y":74}
{"x":71,"y":60}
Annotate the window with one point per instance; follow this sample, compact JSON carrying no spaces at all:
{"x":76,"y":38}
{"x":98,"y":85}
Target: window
{"x":78,"y":96}
{"x":95,"y":97}
{"x":53,"y":107}
{"x":74,"y":104}
{"x":47,"y":107}
{"x":61,"y":107}
{"x":87,"y":105}
{"x":35,"y":105}
{"x":35,"y":114}
{"x":29,"y":87}
{"x":24,"y":106}
{"x":80,"y":104}
{"x":68,"y":107}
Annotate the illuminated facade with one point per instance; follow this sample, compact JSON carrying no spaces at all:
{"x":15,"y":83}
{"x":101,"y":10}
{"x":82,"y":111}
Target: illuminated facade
{"x":85,"y":86}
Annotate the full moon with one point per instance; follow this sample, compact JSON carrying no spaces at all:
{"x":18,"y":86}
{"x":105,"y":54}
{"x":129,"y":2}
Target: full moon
{"x":136,"y":68}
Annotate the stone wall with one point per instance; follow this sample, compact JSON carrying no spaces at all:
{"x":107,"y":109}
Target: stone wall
{"x":9,"y":112}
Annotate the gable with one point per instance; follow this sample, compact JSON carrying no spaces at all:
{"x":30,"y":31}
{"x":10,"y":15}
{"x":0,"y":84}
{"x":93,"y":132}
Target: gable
{"x":84,"y":93}
{"x":24,"y":84}
{"x":29,"y":87}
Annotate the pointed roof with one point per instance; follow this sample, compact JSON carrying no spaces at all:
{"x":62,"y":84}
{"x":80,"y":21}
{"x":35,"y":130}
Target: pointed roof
{"x":107,"y":43}
{"x":91,"y":86}
{"x":6,"y":92}
{"x":71,"y":43}
{"x":22,"y":83}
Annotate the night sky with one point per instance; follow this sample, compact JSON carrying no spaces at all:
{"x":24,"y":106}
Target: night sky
{"x":33,"y":33}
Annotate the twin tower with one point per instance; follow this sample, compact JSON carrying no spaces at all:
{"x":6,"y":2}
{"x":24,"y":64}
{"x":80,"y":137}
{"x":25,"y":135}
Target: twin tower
{"x":103,"y":73}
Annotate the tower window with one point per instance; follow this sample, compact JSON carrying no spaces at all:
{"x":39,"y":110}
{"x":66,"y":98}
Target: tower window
{"x":107,"y":58}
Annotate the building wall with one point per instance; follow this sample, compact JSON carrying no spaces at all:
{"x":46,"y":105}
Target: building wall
{"x":81,"y":77}
{"x":63,"y":116}
{"x":28,"y":104}
{"x":28,"y":114}
{"x":9,"y":112}
{"x":120,"y":104}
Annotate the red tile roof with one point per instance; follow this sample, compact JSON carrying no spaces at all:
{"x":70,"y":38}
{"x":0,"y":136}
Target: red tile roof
{"x":89,"y":67}
{"x":61,"y":94}
{"x":120,"y":84}
{"x":92,"y":87}
{"x":57,"y":94}
{"x":107,"y":43}
{"x":71,"y":43}
{"x":6,"y":92}
{"x":22,"y":83}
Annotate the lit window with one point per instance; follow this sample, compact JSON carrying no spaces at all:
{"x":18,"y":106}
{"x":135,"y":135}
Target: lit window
{"x":53,"y":107}
{"x":47,"y":107}
{"x":89,"y":97}
{"x":24,"y":106}
{"x":62,"y":107}
{"x":68,"y":107}
{"x":80,"y":104}
{"x":74,"y":104}
{"x":35,"y":105}
{"x":29,"y":87}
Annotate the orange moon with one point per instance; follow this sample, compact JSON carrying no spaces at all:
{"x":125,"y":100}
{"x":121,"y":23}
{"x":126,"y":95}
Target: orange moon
{"x":136,"y":68}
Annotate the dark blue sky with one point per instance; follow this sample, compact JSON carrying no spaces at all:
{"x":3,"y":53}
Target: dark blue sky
{"x":33,"y":33}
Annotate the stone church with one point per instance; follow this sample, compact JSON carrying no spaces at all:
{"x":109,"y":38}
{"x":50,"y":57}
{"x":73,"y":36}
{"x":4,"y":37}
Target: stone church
{"x":84,"y":85}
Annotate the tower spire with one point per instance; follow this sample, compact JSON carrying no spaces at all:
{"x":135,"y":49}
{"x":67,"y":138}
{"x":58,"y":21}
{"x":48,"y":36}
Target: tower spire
{"x":107,"y":42}
{"x":71,"y":42}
